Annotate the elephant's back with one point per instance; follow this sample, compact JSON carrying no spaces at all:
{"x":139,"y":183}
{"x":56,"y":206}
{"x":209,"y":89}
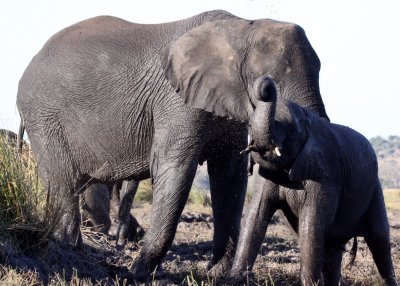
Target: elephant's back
{"x":94,"y":66}
{"x":355,"y":146}
{"x":361,"y":181}
{"x":100,"y":50}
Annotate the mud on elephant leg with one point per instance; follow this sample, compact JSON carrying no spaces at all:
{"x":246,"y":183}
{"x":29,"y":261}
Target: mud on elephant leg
{"x":172,"y":179}
{"x":332,"y":265}
{"x":313,"y":218}
{"x":68,"y":230}
{"x":228,"y":180}
{"x":262,"y":208}
{"x":63,"y":200}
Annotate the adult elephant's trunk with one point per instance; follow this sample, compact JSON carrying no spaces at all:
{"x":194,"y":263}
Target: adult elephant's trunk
{"x":263,"y":121}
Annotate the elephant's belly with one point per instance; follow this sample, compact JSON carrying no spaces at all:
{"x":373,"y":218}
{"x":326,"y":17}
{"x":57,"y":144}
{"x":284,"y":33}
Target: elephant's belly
{"x":347,"y":227}
{"x":133,"y":171}
{"x":121,"y":162}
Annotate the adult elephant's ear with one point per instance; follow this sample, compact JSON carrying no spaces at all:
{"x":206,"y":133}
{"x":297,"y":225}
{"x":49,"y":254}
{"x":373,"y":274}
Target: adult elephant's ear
{"x":318,"y":160}
{"x":205,"y":69}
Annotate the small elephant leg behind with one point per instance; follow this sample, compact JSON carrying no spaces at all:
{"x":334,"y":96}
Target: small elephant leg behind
{"x":378,"y":239}
{"x":128,"y":225}
{"x":95,"y":203}
{"x":125,"y":226}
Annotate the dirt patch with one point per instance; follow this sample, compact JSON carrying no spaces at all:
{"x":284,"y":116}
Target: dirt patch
{"x":186,"y":262}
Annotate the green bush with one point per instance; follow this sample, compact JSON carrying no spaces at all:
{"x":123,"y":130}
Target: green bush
{"x":199,"y":197}
{"x":144,"y":193}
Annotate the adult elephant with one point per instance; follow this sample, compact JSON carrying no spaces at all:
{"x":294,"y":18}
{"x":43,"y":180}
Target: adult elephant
{"x":174,"y":95}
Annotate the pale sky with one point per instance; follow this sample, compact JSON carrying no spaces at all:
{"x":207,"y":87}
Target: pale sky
{"x":357,"y":41}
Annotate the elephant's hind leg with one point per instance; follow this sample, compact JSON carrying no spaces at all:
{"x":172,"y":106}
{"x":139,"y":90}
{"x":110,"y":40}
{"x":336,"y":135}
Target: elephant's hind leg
{"x":378,"y":239}
{"x":62,"y":179}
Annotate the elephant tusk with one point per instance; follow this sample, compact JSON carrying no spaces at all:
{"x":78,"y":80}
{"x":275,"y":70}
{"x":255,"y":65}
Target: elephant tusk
{"x":278,"y":153}
{"x":248,"y":150}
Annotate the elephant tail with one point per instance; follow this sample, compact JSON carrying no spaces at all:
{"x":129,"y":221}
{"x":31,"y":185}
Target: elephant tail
{"x":20,"y":136}
{"x":353,"y":253}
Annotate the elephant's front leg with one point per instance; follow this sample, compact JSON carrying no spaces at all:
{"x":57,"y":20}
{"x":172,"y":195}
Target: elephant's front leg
{"x":260,"y":211}
{"x":315,"y":216}
{"x":332,"y":264}
{"x":228,"y":181}
{"x":173,"y":172}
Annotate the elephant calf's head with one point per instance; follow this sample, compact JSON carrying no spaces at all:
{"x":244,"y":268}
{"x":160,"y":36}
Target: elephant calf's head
{"x":279,"y":128}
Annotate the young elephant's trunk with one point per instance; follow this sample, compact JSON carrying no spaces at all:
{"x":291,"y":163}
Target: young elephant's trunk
{"x":263,"y":121}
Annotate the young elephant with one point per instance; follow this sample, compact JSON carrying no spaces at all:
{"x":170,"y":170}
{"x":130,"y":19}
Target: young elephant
{"x":127,"y":227}
{"x":103,"y":208}
{"x":95,"y":208}
{"x":324,"y":178}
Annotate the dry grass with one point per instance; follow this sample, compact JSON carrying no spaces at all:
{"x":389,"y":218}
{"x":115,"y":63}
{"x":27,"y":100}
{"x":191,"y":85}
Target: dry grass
{"x":392,"y":198}
{"x":24,"y":216}
{"x":9,"y":276}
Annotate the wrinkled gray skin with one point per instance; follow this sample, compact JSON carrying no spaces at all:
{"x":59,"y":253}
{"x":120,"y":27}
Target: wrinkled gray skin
{"x":150,"y":86}
{"x":96,"y":203}
{"x":326,"y":183}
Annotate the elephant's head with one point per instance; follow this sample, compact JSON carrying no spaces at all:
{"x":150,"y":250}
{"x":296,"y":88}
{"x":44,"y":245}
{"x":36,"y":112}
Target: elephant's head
{"x":286,"y":136}
{"x":215,"y":66}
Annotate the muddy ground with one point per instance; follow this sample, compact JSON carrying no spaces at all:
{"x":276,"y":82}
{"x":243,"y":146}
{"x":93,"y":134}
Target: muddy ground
{"x":186,"y":262}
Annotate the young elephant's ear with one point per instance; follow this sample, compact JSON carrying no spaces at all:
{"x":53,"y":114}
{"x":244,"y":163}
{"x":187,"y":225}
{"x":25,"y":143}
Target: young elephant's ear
{"x":318,"y":159}
{"x":205,"y":69}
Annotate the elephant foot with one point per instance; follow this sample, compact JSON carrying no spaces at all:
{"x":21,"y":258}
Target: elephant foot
{"x":66,"y":237}
{"x":135,"y":235}
{"x":243,"y":277}
{"x":143,"y":270}
{"x":221,"y":269}
{"x":390,"y":281}
{"x":223,"y":276}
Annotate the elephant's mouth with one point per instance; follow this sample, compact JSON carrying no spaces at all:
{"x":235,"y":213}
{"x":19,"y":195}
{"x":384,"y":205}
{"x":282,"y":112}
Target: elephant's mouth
{"x":272,"y":154}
